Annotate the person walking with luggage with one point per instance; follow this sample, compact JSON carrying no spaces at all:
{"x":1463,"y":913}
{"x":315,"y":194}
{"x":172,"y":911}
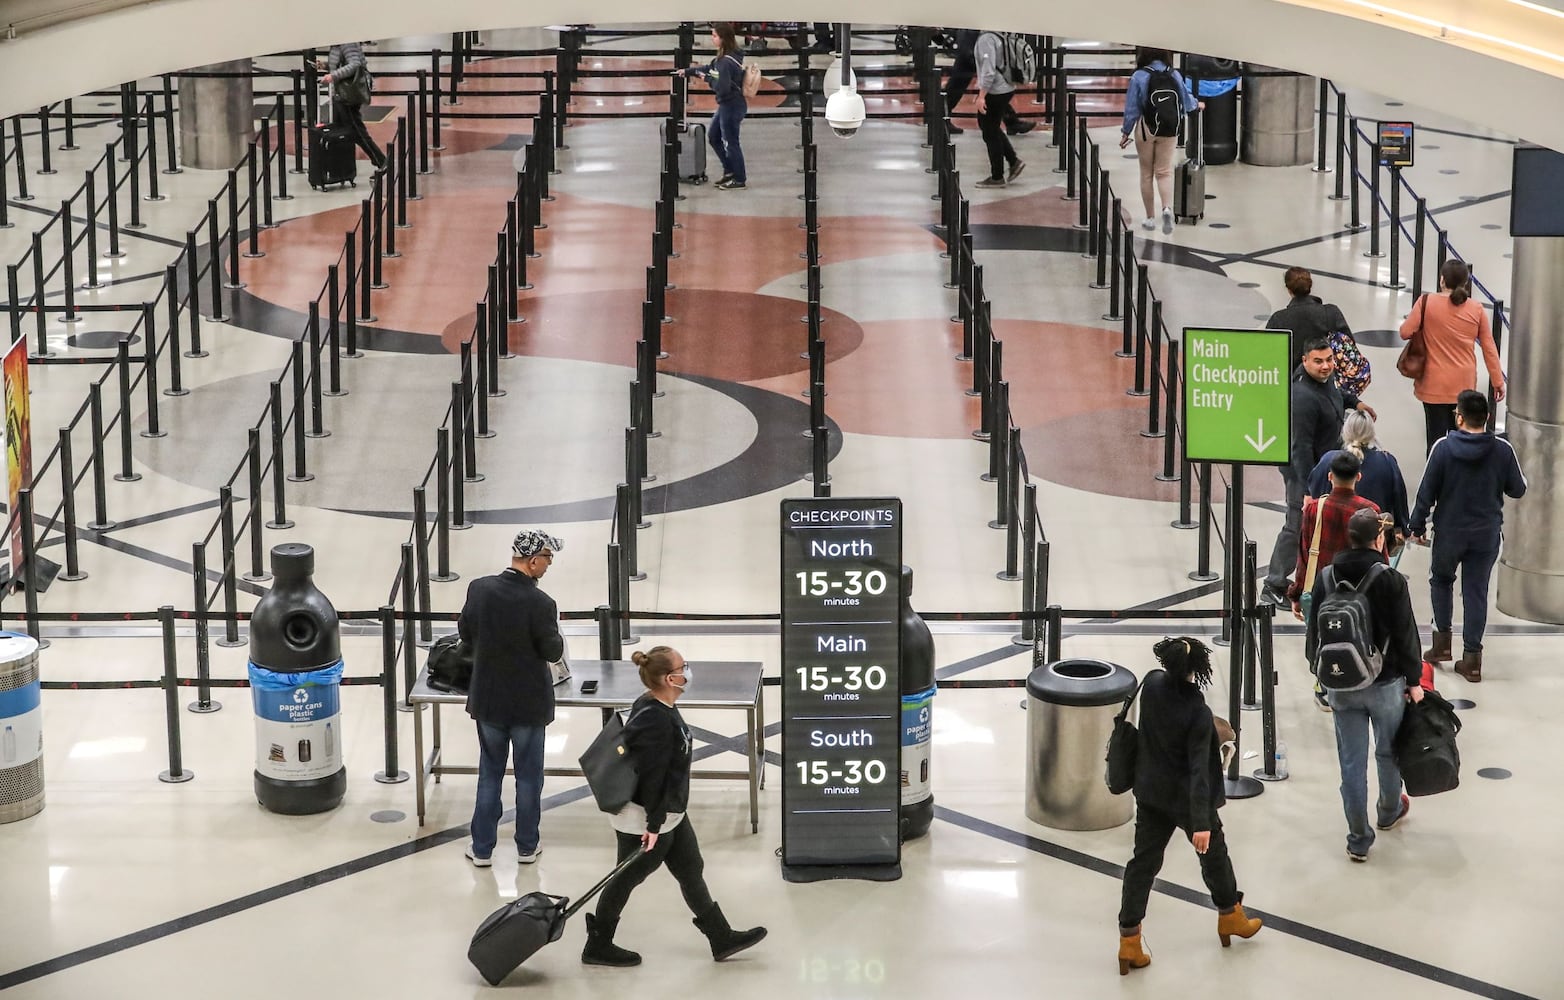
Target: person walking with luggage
{"x":725,"y":76}
{"x":513,"y":629}
{"x":1381,"y":480}
{"x":1317,"y":407}
{"x":1391,"y":639}
{"x":351,"y":84}
{"x":1469,"y":473}
{"x":655,"y":823}
{"x":1155,"y":104}
{"x":1452,"y":324}
{"x":1178,"y":786}
{"x":995,"y":92}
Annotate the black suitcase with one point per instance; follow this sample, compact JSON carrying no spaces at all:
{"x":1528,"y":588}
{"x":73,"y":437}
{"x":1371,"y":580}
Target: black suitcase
{"x":1425,"y":749}
{"x":513,"y":933}
{"x":332,"y":156}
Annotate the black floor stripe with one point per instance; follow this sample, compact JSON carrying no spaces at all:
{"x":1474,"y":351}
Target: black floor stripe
{"x":1273,"y":922}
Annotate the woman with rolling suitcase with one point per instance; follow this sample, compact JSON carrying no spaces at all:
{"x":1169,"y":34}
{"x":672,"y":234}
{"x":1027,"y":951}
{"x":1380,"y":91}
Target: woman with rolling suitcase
{"x":653,"y":827}
{"x":725,"y":76}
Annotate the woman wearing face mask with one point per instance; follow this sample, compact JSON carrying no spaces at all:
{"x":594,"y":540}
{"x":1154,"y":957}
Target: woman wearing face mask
{"x":654,"y":822}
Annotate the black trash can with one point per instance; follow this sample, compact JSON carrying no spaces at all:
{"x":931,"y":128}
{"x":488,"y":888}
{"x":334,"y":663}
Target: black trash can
{"x":1216,"y":84}
{"x":1070,"y":710}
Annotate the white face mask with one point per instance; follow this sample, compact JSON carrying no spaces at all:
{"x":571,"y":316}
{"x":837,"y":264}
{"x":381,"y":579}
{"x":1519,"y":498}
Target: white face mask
{"x":689,"y":675}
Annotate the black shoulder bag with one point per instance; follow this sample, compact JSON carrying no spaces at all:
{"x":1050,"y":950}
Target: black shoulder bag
{"x":1123,"y":746}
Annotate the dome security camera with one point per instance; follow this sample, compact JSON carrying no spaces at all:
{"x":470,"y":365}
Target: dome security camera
{"x":844,"y":112}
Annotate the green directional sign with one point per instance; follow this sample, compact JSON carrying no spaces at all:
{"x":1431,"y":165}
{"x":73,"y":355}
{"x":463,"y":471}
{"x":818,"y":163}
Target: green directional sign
{"x":1236,"y":396}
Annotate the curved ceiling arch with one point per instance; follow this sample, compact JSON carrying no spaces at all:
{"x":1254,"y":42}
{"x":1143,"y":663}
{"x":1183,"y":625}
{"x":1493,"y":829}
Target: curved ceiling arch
{"x":1354,"y":42}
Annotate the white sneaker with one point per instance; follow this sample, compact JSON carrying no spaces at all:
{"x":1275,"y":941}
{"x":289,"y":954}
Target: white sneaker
{"x":528,"y":859}
{"x":1149,"y":224}
{"x":1167,"y":222}
{"x":479,"y":862}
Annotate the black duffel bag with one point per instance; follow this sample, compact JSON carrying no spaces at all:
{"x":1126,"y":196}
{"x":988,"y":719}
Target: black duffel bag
{"x":450,"y":664}
{"x":1425,"y":749}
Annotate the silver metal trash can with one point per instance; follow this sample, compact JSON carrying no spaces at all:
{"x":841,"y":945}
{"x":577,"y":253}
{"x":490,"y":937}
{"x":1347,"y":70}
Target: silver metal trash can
{"x":21,"y":728}
{"x":1070,"y":710}
{"x":1278,"y":118}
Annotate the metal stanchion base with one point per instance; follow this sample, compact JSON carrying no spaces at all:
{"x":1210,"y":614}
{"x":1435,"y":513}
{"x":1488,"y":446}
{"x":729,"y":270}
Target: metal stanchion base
{"x":379,"y":286}
{"x":809,"y":477}
{"x":180,"y":170}
{"x":170,"y":778}
{"x":1335,"y":197}
{"x":484,"y":434}
{"x":255,"y":577}
{"x":1008,"y":577}
{"x":648,"y":478}
{"x":637,"y":577}
{"x":460,"y":526}
{"x":230,"y":643}
{"x":475,"y":477}
{"x":444,"y":577}
{"x":214,"y":317}
{"x":1186,"y":526}
{"x":196,"y":354}
{"x":176,"y":392}
{"x":102,"y":525}
{"x":1222,"y":641}
{"x":1242,"y":787}
{"x":164,"y":197}
{"x":654,"y":434}
{"x":1260,"y":775}
{"x":1371,"y":254}
{"x":390,"y":779}
{"x":355,"y":354}
{"x":1397,"y":285}
{"x":71,"y":577}
{"x":328,"y":392}
{"x":276,"y":525}
{"x":999,"y":525}
{"x":1116,"y":316}
{"x":988,"y":477}
{"x":389,"y":255}
{"x":206,"y":709}
{"x":251,"y":256}
{"x":234,"y":286}
{"x":497,"y":393}
{"x":642,"y":525}
{"x":72,"y":320}
{"x":302,"y":479}
{"x":132,"y":478}
{"x":1321,"y":170}
{"x":1098,"y":287}
{"x":1159,"y":477}
{"x":962,"y":357}
{"x":281,"y":197}
{"x":154,"y":434}
{"x":1020,"y":639}
{"x":1249,"y":706}
{"x":403,"y":706}
{"x":1137,"y":392}
{"x":90,"y":286}
{"x":45,"y":173}
{"x":365,"y":319}
{"x":1157,"y":434}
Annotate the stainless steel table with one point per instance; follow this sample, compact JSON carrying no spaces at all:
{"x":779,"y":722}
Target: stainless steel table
{"x":717,"y":685}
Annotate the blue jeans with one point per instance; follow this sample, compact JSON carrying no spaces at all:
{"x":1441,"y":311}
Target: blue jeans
{"x":1474,"y":556}
{"x":1379,"y":705}
{"x":495,"y":745}
{"x":724,"y":138}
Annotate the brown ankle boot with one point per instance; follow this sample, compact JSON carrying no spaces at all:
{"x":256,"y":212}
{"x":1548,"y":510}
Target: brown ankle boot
{"x":1439,"y":652}
{"x":1235,"y":922}
{"x":1470,"y":666}
{"x":1132,"y":951}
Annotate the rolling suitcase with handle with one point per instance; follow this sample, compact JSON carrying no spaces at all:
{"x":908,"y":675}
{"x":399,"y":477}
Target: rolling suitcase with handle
{"x":1189,"y":180}
{"x":692,"y":144}
{"x":332,"y":153}
{"x":515,"y":932}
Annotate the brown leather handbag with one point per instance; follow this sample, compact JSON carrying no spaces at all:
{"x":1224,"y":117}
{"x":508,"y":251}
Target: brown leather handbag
{"x":1414,"y":356}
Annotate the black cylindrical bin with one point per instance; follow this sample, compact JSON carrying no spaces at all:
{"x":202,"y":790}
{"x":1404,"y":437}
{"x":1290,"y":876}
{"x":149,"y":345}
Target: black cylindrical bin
{"x":917,"y":716}
{"x":295,"y":675}
{"x":1070,"y":710}
{"x":1216,"y":84}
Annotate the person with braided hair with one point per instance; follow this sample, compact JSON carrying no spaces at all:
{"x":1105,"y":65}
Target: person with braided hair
{"x":1178,"y":786}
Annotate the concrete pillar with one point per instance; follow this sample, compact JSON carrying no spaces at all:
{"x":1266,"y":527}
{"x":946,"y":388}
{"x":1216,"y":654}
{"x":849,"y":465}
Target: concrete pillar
{"x":216,"y":116}
{"x":1531,"y":567}
{"x":1278,"y":118}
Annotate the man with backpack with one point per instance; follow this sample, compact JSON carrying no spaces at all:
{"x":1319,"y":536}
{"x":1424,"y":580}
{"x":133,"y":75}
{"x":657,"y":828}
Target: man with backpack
{"x":351,"y":86}
{"x":1155,"y":104}
{"x":996,"y":78}
{"x":1362,"y":640}
{"x":962,"y":72}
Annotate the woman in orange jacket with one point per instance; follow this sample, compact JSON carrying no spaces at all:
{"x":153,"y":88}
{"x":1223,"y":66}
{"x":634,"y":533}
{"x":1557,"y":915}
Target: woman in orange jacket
{"x":1451,"y":324}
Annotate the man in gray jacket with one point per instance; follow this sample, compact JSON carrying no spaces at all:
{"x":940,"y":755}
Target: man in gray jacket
{"x":350,"y":89}
{"x":995,"y":92}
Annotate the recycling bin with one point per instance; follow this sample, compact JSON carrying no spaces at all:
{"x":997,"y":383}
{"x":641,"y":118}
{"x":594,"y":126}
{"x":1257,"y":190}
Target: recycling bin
{"x":21,"y":728}
{"x":1070,"y":709}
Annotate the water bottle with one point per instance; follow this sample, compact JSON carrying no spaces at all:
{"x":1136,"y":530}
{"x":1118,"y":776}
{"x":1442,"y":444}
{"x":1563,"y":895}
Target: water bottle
{"x":1281,"y":759}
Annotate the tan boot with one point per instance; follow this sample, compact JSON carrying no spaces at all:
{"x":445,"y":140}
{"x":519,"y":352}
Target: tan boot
{"x":1439,"y":652}
{"x":1235,"y":922}
{"x":1132,"y":951}
{"x":1470,"y":666}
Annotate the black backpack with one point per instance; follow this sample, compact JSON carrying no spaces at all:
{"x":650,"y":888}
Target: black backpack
{"x":1425,"y":748}
{"x":450,"y":664}
{"x":1163,"y":108}
{"x":1345,"y":657}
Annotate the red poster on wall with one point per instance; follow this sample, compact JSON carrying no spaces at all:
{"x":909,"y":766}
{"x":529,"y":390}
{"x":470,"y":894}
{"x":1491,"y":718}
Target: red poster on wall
{"x":18,"y":445}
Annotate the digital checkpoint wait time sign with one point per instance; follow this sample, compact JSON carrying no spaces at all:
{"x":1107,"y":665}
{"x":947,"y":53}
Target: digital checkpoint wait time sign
{"x":841,"y":684}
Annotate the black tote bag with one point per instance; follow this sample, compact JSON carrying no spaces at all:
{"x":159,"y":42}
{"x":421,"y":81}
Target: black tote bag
{"x":1123,"y":748}
{"x":609,"y":767}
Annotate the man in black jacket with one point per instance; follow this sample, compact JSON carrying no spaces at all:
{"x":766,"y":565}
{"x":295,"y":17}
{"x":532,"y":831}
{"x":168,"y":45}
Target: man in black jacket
{"x":1306,"y":316}
{"x":1318,"y":405}
{"x":1469,"y":474}
{"x":1381,"y":703}
{"x":962,"y":72}
{"x":513,"y":628}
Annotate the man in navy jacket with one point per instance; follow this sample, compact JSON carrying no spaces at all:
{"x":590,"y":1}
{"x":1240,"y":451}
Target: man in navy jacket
{"x":513,"y":628}
{"x":1469,"y":474}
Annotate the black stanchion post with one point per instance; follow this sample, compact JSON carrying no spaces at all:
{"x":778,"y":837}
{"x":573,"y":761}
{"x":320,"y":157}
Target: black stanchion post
{"x":168,"y":127}
{"x":45,"y":143}
{"x":1228,"y":575}
{"x":442,"y":507}
{"x":127,"y":472}
{"x":1116,"y":257}
{"x":230,"y":574}
{"x":193,"y":295}
{"x":1012,"y":570}
{"x":317,"y":406}
{"x":214,"y":248}
{"x":1142,"y":292}
{"x":1030,"y":550}
{"x":279,"y":499}
{"x":21,"y":158}
{"x":1154,"y":366}
{"x":1395,"y":230}
{"x":91,"y":231}
{"x":24,"y":514}
{"x":392,"y":774}
{"x":1323,"y":112}
{"x":333,"y":332}
{"x":434,"y":72}
{"x":100,"y":504}
{"x":469,"y":425}
{"x":67,"y":265}
{"x":366,"y":253}
{"x":1248,"y":698}
{"x":1170,"y":426}
{"x":409,"y":642}
{"x":1268,"y":771}
{"x":421,"y":563}
{"x":1054,"y":616}
{"x":176,"y":773}
{"x":1341,"y":149}
{"x":176,"y":385}
{"x":152,"y":189}
{"x":73,"y":570}
{"x":608,"y":647}
{"x":1374,"y":216}
{"x":350,"y":298}
{"x":459,"y":520}
{"x":301,"y":473}
{"x":1419,"y":234}
{"x":203,"y":703}
{"x":423,"y":121}
{"x":149,"y":369}
{"x":69,"y":142}
{"x":258,"y":573}
{"x":233,"y":282}
{"x":40,"y":299}
{"x":1356,"y":225}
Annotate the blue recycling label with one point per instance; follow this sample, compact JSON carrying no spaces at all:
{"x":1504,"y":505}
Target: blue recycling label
{"x":917,"y":710}
{"x":20,"y":701}
{"x":300,"y":697}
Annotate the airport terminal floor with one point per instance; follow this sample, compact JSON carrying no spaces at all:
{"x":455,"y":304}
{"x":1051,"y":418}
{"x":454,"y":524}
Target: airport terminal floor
{"x":128,"y":887}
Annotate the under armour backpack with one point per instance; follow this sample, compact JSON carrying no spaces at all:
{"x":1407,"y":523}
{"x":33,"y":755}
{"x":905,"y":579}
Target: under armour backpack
{"x":1345,"y":657}
{"x":1163,"y":108}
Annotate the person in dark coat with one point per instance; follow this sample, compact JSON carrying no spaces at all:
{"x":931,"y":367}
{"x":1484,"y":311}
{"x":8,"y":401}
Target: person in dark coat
{"x":1178,"y":786}
{"x":1317,"y":407}
{"x":350,"y":79}
{"x":654,"y":823}
{"x":1307,"y":316}
{"x":1381,"y":704}
{"x":513,"y":629}
{"x":1382,"y":481}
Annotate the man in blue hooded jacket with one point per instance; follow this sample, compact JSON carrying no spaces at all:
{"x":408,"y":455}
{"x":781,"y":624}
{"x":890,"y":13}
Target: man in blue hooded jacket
{"x":1469,"y":473}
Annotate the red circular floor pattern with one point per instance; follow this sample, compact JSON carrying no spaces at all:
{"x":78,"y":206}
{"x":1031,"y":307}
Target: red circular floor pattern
{"x":736,"y":336}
